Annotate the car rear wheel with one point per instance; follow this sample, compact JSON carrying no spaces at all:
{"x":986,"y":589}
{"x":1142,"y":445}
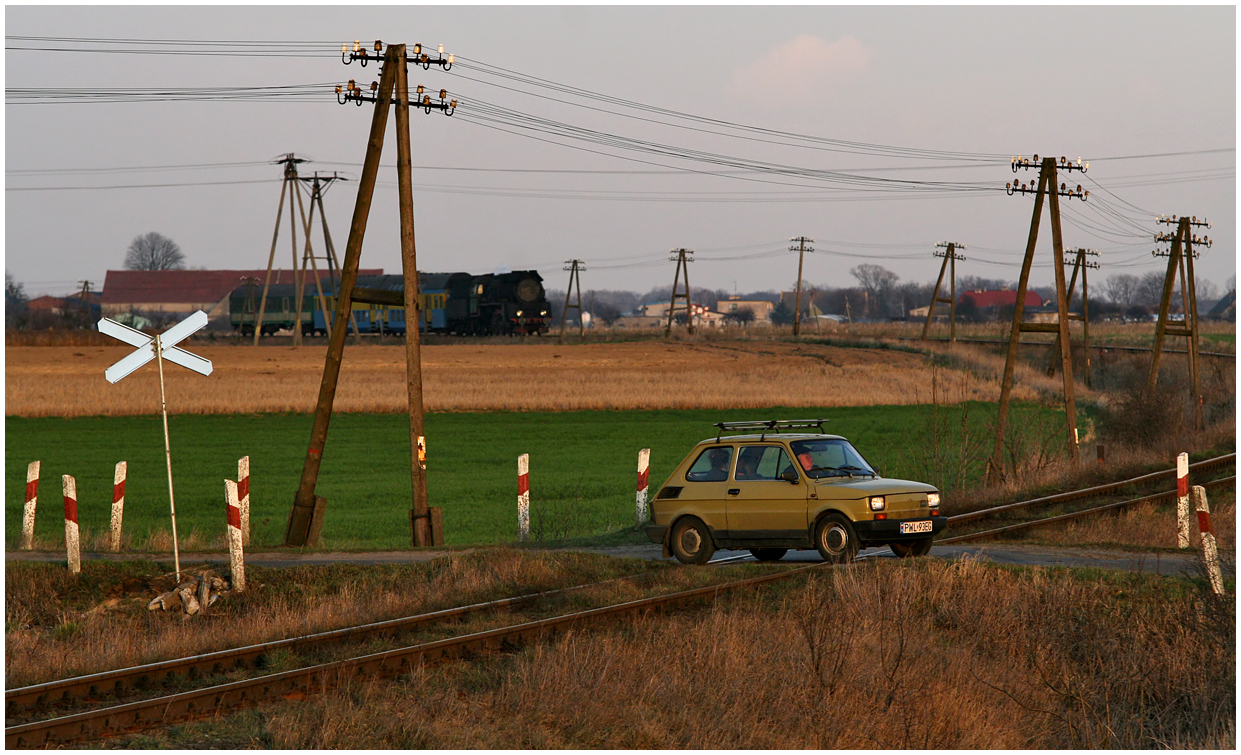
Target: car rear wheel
{"x":835,"y":539}
{"x":690,"y":541}
{"x":911,"y":548}
{"x":768,"y":554}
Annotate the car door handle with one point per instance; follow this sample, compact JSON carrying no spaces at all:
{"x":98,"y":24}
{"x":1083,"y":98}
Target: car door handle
{"x":734,"y":491}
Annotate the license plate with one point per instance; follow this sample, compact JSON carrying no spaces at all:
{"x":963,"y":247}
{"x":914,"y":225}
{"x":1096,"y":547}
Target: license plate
{"x":913,"y":528}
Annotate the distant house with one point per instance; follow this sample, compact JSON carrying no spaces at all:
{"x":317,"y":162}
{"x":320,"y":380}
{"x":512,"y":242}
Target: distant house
{"x":1225,"y":308}
{"x":761,"y":309}
{"x":59,"y":305}
{"x":186,"y":291}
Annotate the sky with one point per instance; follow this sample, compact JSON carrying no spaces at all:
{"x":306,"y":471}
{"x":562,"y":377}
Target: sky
{"x":617,"y":134}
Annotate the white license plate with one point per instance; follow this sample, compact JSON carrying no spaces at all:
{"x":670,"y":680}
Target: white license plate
{"x":913,"y":528}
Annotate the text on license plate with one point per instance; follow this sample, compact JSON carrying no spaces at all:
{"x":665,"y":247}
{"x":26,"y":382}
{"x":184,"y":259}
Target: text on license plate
{"x":910,"y":528}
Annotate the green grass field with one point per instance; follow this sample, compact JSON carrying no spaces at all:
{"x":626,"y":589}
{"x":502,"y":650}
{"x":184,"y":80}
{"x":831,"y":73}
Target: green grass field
{"x":582,"y":476}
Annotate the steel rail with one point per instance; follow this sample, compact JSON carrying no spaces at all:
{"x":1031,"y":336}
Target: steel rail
{"x":299,"y":683}
{"x":120,"y":681}
{"x":1073,"y":495}
{"x":1084,"y":512}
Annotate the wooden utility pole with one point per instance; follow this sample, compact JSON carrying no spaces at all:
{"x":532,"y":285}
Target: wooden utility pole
{"x":1180,"y":262}
{"x":1079,"y":264}
{"x":950,"y":266}
{"x":288,"y":187}
{"x":682,"y":257}
{"x":801,"y":250}
{"x":333,"y":264}
{"x":574,"y":267}
{"x":1046,"y":186}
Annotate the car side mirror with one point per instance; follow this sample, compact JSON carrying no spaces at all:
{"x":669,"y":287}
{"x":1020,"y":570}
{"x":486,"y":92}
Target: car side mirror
{"x":790,"y":475}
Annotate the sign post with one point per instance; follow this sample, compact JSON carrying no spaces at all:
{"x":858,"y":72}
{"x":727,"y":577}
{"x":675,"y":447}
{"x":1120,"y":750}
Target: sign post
{"x":159,"y":348}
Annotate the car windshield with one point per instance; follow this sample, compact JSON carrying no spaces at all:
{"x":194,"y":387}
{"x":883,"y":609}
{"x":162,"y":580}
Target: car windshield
{"x":829,"y":457}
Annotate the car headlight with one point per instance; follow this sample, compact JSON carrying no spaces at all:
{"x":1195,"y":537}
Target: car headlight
{"x":877,"y":502}
{"x":932,"y":500}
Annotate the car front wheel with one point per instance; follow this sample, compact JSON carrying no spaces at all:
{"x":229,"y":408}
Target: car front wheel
{"x":911,"y":548}
{"x":690,"y":541}
{"x":835,"y":539}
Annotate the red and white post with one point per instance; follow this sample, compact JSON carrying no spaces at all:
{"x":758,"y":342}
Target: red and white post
{"x":523,"y":497}
{"x":236,"y":555}
{"x":644,"y":463}
{"x":73,"y":544}
{"x":1182,"y":501}
{"x":118,"y":504}
{"x":32,"y":501}
{"x":1210,"y":553}
{"x":243,"y":495}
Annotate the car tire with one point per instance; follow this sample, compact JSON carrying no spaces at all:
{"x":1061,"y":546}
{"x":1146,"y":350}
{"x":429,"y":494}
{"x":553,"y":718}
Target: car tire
{"x":835,"y":539}
{"x":690,"y":541}
{"x":768,"y":554}
{"x":911,"y":548}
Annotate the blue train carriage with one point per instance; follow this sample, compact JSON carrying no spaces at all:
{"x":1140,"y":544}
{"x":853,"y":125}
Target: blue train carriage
{"x":379,"y":305}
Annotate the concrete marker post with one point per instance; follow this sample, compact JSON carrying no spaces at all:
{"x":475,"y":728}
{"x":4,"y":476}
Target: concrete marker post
{"x":644,"y":463}
{"x":523,"y":497}
{"x":118,"y":505}
{"x":73,"y":544}
{"x":236,"y":554}
{"x":32,"y":501}
{"x":1210,"y":553}
{"x":1182,"y":501}
{"x":243,"y":495}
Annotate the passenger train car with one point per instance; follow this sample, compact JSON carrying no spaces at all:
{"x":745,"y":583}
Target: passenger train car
{"x":512,"y":303}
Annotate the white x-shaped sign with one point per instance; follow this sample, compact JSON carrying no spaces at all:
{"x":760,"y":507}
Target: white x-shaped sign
{"x":146,"y":346}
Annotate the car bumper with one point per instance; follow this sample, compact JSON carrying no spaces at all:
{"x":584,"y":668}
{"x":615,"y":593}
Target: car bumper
{"x":889,"y":530}
{"x":656,"y":532}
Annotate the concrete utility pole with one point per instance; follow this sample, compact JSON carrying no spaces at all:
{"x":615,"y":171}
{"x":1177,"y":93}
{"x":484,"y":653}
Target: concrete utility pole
{"x":950,"y":266}
{"x":574,"y":267}
{"x":1079,"y":263}
{"x":1046,"y":187}
{"x":682,"y":257}
{"x":801,"y":250}
{"x":1180,"y":261}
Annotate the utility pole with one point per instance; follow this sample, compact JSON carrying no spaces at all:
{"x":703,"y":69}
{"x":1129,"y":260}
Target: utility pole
{"x":1079,"y":263}
{"x":1047,"y":187}
{"x":329,"y":255}
{"x":308,"y":507}
{"x":288,"y":187}
{"x":801,"y":250}
{"x":574,"y":267}
{"x":950,"y":266}
{"x":682,"y":257}
{"x":1180,"y":261}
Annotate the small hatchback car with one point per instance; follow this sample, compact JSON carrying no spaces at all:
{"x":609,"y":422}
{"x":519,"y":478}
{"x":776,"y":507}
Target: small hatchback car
{"x":779,"y":489}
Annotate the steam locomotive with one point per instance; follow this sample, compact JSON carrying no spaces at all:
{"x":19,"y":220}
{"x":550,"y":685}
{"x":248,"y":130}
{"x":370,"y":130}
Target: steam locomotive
{"x":513,"y":303}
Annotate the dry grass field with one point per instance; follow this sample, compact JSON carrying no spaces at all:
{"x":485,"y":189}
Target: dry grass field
{"x":539,"y":375}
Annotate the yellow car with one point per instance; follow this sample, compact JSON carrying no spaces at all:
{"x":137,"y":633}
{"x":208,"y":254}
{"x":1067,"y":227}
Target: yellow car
{"x":778,"y":489}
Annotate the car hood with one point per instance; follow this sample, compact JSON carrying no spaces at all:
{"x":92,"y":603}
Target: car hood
{"x":866,"y":486}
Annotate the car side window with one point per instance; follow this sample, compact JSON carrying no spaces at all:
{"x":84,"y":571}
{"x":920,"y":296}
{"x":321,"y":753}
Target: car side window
{"x":711,"y":465}
{"x":761,"y":463}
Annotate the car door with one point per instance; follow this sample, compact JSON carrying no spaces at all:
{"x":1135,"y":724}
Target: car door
{"x":760,"y":505}
{"x":705,"y":484}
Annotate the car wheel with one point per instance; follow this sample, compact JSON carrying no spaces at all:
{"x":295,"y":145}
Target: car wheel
{"x":911,"y":548}
{"x":768,"y":554}
{"x":691,"y":542}
{"x":835,"y":539}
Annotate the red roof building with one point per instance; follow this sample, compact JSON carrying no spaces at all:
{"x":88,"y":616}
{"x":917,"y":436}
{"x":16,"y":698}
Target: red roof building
{"x":187,"y":290}
{"x":1007,"y":298}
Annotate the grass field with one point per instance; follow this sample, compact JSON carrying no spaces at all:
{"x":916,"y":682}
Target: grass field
{"x":583,"y":468}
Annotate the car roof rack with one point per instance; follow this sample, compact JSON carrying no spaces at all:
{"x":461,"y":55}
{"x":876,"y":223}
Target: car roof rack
{"x":769,"y":426}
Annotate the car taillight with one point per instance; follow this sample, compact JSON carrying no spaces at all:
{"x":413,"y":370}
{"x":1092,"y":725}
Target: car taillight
{"x":881,"y":516}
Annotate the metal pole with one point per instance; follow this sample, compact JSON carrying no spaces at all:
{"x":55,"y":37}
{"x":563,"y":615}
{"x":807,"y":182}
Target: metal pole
{"x":302,"y":514}
{"x":413,"y":338}
{"x":172,"y":506}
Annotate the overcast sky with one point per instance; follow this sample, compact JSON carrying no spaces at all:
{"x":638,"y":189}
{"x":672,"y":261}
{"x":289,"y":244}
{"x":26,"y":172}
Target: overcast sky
{"x":876,"y":131}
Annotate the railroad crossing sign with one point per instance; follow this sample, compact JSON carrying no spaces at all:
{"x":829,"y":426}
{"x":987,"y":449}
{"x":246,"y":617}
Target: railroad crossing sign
{"x":159,"y":348}
{"x":146,"y":344}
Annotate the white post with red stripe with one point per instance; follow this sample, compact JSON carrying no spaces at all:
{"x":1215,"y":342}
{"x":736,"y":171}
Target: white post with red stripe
{"x":523,"y":497}
{"x":73,"y":545}
{"x":236,"y":556}
{"x":1182,"y":501}
{"x":32,"y":500}
{"x":243,"y":495}
{"x":118,"y":504}
{"x":644,"y":463}
{"x":1210,"y":553}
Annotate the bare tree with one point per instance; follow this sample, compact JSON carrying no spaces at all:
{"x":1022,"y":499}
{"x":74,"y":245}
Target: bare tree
{"x":1121,"y":290}
{"x":151,"y":251}
{"x":878,"y":281}
{"x":15,"y":313}
{"x":1206,"y":290}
